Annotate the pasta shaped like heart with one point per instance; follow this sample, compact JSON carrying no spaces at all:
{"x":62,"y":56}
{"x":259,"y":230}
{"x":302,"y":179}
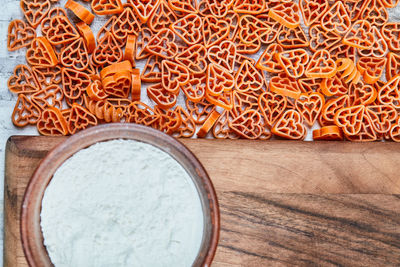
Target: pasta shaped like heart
{"x":350,"y":119}
{"x":52,"y":123}
{"x":214,"y":30}
{"x":76,"y":56}
{"x":19,"y":35}
{"x":321,"y":65}
{"x":272,"y":106}
{"x":60,"y":31}
{"x":188,"y":28}
{"x":218,"y":80}
{"x":310,"y":106}
{"x":174,"y":76}
{"x":294,"y":62}
{"x":290,"y":126}
{"x":194,"y":58}
{"x":80,"y":119}
{"x":41,"y":53}
{"x":248,"y":125}
{"x":25,"y":112}
{"x":248,"y":78}
{"x":35,"y":10}
{"x":223,"y":54}
{"x":23,"y":81}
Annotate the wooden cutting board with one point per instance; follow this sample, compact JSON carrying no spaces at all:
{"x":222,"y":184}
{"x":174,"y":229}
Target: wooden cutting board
{"x":282,"y":203}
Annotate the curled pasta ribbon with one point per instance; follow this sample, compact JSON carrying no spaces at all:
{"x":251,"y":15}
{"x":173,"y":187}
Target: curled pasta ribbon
{"x":87,"y":35}
{"x":290,"y":126}
{"x":136,"y":85}
{"x":347,"y":70}
{"x":103,"y":110}
{"x":95,"y":91}
{"x":80,"y":11}
{"x":328,"y":133}
{"x":130,"y":49}
{"x":19,"y":35}
{"x":371,"y":68}
{"x":208,"y":124}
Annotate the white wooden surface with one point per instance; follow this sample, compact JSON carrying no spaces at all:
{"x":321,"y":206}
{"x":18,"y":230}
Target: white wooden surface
{"x":9,"y":10}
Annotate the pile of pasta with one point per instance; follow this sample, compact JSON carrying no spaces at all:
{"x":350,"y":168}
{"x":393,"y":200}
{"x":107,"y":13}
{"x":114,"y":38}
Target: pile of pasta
{"x":245,"y":68}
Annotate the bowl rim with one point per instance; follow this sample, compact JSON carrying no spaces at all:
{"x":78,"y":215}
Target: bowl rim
{"x":102,"y":133}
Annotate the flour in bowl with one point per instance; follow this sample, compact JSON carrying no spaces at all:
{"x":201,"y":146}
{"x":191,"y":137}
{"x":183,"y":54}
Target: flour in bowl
{"x":122,"y":203}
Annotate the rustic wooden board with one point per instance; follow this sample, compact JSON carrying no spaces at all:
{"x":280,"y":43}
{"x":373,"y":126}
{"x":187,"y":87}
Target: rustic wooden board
{"x":282,"y":203}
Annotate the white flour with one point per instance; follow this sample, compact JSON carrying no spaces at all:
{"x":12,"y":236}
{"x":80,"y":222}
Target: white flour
{"x":122,"y":203}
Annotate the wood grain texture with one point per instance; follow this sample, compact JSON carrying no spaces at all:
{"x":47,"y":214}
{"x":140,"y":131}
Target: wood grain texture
{"x":282,"y":203}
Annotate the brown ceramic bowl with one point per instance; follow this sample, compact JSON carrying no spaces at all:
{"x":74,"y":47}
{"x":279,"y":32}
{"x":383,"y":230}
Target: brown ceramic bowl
{"x":32,"y":238}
